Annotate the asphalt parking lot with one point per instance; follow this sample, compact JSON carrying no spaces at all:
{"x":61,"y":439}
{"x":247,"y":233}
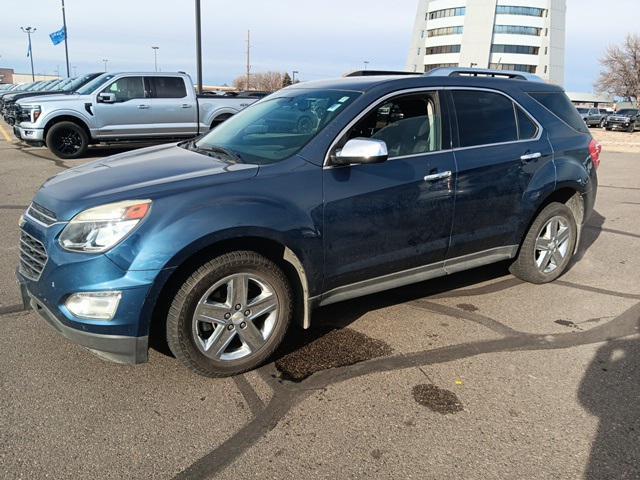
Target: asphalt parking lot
{"x":474,"y":376}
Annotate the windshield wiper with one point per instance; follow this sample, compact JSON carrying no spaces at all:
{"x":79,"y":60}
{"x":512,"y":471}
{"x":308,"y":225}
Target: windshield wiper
{"x":214,"y":149}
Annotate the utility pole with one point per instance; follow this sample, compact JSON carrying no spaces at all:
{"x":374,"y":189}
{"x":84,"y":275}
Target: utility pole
{"x":198,"y":46}
{"x":105,"y":60}
{"x":66,"y":35}
{"x":293,"y":78}
{"x":155,"y":56}
{"x":29,"y":31}
{"x":248,"y":59}
{"x":366,"y":64}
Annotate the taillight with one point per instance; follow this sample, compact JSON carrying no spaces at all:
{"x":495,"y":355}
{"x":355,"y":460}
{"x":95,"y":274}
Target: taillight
{"x":594,"y":150}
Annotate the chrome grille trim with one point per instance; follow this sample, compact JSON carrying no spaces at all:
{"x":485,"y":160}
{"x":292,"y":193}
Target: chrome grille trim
{"x":41,"y":214}
{"x":33,"y":256}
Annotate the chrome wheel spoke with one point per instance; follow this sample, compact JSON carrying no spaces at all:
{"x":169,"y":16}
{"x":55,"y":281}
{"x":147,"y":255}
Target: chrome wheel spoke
{"x":557,"y":257}
{"x":551,"y":246}
{"x":210,"y":312}
{"x":218,"y":342}
{"x":265,"y":303}
{"x":545,"y":258}
{"x":251,"y":336}
{"x":238,"y":290}
{"x":542,"y":244}
{"x":563,"y":235}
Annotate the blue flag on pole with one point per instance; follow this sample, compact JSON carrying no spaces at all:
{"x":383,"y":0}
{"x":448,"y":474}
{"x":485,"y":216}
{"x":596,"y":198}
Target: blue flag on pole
{"x":59,"y":36}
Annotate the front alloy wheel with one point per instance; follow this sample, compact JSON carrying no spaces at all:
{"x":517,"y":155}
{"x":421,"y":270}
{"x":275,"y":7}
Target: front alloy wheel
{"x":230,"y":315}
{"x":552,"y":244}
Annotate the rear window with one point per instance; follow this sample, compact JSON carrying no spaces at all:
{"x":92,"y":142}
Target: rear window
{"x":484,"y":118}
{"x":560,"y":105}
{"x":167,"y":87}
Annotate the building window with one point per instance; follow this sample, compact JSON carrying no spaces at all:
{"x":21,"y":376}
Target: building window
{"x":511,"y":10}
{"x":428,"y":68}
{"x":418,"y":50}
{"x":443,"y":49}
{"x":422,"y":34}
{"x":513,"y":66}
{"x":545,"y":69}
{"x":518,"y":30}
{"x":439,"y":32}
{"x":447,"y":12}
{"x":546,"y":50}
{"x":521,"y":49}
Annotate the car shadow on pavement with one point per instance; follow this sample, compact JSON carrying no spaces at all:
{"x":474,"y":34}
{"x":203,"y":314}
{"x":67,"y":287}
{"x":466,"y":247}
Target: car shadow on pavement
{"x":590,"y":234}
{"x":610,"y":390}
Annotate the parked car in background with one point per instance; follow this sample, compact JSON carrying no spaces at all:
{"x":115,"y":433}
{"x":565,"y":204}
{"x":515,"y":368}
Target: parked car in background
{"x":9,"y":108}
{"x":221,"y":242}
{"x":593,"y":117}
{"x":123,"y":107}
{"x":24,"y":87}
{"x":627,"y":119}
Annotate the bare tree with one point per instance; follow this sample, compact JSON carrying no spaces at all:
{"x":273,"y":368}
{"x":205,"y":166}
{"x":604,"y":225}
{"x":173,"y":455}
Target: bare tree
{"x":620,"y":74}
{"x":265,"y":81}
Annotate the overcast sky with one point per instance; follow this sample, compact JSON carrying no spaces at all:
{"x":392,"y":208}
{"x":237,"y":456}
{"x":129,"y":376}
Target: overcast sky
{"x":318,"y":38}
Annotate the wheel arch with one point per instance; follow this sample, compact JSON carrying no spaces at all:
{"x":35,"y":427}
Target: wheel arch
{"x":66,"y":118}
{"x":167,"y":284}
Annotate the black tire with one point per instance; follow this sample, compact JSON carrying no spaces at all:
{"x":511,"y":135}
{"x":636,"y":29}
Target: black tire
{"x":632,"y":128}
{"x":525,"y":266}
{"x":67,"y":140}
{"x":181,"y":337}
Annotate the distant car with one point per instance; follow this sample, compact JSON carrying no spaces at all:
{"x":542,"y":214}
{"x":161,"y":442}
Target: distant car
{"x":593,"y":117}
{"x":627,"y":119}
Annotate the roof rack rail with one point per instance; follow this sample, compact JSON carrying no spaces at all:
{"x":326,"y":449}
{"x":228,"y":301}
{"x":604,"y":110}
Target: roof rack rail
{"x":483,"y":72}
{"x":371,"y":73}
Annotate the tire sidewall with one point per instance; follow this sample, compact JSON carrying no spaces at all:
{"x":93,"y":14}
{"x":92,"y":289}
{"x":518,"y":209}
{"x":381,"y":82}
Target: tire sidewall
{"x":180,"y":318}
{"x":57,"y":129}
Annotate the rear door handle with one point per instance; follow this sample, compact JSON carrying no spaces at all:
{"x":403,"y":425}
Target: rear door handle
{"x":530,"y":156}
{"x":143,"y":107}
{"x":438,"y":176}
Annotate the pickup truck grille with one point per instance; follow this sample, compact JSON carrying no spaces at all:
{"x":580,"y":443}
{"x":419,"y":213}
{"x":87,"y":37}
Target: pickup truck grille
{"x":33,"y":256}
{"x":41,"y":214}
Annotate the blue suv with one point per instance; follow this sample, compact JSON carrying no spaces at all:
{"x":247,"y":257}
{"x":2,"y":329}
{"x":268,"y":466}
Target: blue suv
{"x":321,"y":192}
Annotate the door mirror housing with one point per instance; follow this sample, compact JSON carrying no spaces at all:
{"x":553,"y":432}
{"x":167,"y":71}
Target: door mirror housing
{"x":359,"y":151}
{"x":105,"y":97}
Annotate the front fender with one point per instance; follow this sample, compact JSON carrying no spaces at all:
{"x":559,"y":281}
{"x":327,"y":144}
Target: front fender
{"x":48,"y":117}
{"x":211,"y":115}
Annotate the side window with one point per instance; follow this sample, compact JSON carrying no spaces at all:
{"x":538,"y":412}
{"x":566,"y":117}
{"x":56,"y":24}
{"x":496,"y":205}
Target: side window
{"x":408,"y":124}
{"x":527,"y":129}
{"x":560,"y":105}
{"x":484,"y":118}
{"x":126,"y":88}
{"x":166,"y":87}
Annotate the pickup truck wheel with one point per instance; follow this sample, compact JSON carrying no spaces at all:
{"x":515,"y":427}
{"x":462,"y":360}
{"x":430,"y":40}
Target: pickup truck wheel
{"x":548,"y":247}
{"x":230,"y":315}
{"x":632,"y":128}
{"x":67,"y":140}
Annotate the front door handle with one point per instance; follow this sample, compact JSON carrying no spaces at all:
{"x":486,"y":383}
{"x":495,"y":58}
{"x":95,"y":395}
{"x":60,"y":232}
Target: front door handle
{"x":530,"y":156}
{"x":143,"y":107}
{"x":438,"y":176}
{"x":186,"y":105}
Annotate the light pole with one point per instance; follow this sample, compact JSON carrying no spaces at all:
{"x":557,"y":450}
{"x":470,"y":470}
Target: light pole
{"x":366,"y":64}
{"x":29,"y":31}
{"x":105,"y":60}
{"x":198,"y":46}
{"x":155,"y":56}
{"x":293,"y":78}
{"x":66,"y":48}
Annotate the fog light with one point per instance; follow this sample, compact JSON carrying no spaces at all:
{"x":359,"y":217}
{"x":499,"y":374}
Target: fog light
{"x":94,"y":305}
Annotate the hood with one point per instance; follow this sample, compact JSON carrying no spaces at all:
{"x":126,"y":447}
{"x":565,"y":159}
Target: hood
{"x":54,"y":97}
{"x":20,"y":96}
{"x":143,"y":173}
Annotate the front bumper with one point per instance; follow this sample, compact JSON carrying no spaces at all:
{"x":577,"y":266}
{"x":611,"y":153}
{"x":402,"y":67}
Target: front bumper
{"x":30,"y":135}
{"x":116,"y":348}
{"x":617,"y":125}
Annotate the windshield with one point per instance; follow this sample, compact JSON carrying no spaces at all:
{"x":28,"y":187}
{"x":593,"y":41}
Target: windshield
{"x":75,"y":83}
{"x":627,"y":111}
{"x":275,"y":128}
{"x":583,"y":110}
{"x":94,"y":84}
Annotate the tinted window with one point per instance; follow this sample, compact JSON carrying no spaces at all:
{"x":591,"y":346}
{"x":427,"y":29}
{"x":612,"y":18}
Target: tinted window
{"x":408,"y":124}
{"x":126,"y":88}
{"x":167,"y":87}
{"x":526,"y":127}
{"x":561,"y":106}
{"x":484,"y":118}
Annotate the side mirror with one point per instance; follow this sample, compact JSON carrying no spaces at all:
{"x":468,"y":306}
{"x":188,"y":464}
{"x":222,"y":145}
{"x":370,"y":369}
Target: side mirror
{"x":361,"y":151}
{"x":106,"y":97}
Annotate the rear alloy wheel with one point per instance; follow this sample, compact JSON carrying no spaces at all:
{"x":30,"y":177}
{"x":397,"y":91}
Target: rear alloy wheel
{"x":230,"y":315}
{"x":548,"y":247}
{"x":67,"y":140}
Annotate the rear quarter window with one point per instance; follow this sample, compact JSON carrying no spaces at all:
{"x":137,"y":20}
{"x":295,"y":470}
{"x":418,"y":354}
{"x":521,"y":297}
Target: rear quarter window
{"x":560,"y":105}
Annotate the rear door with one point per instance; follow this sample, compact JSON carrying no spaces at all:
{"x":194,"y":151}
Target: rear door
{"x":129,"y":115}
{"x":499,"y":148}
{"x":396,"y":215}
{"x":172,"y":110}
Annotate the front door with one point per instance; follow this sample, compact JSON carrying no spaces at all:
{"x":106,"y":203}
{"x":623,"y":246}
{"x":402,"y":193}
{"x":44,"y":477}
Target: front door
{"x":392,"y":216}
{"x":129,"y":115}
{"x":500,"y":147}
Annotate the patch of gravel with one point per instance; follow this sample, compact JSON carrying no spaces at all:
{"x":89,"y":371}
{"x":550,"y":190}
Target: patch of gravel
{"x":437,"y":399}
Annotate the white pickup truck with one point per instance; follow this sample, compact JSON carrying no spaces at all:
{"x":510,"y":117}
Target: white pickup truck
{"x":123,"y":107}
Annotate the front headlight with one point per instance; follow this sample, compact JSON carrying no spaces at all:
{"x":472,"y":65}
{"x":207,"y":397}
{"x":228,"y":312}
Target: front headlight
{"x":101,"y":228}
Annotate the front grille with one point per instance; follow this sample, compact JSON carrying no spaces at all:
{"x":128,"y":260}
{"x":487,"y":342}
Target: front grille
{"x":33,"y":256}
{"x":41,"y":214}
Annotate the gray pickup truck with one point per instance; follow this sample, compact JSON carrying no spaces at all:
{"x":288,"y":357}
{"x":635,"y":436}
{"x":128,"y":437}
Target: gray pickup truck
{"x":593,"y":117}
{"x":123,"y":107}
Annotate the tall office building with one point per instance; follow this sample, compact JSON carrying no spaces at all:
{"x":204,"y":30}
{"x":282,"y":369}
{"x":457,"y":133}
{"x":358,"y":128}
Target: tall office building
{"x":523,"y":35}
